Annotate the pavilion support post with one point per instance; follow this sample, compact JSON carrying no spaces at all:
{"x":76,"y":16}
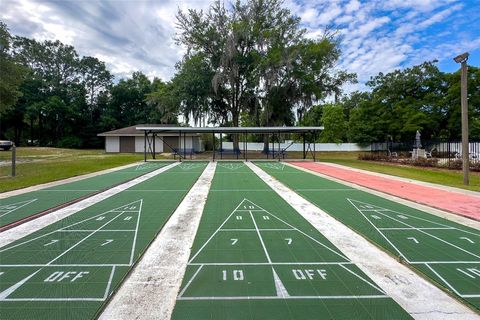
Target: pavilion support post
{"x":213,"y":146}
{"x":145,"y":146}
{"x":154,"y":138}
{"x":184,"y":146}
{"x":268,"y":146}
{"x":221,"y":146}
{"x":179,"y":146}
{"x":245,"y":149}
{"x":314,"y":143}
{"x":304,"y":155}
{"x":279,"y":149}
{"x":273,"y":145}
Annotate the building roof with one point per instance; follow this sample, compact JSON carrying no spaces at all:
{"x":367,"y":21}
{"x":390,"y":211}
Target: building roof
{"x":159,"y":129}
{"x":132,"y":130}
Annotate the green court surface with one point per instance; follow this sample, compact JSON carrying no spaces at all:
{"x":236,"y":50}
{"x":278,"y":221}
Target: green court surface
{"x":69,"y":269}
{"x":446,"y":252}
{"x":19,"y":207}
{"x":255,"y":257}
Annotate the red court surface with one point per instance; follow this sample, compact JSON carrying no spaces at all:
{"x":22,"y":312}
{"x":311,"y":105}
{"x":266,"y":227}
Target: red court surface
{"x":455,"y":202}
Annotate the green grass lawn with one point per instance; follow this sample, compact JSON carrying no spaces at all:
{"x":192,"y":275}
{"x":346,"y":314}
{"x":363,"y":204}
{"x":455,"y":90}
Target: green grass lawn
{"x":41,"y":165}
{"x":453,"y":178}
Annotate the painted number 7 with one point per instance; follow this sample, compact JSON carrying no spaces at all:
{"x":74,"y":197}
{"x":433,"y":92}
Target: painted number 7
{"x":289,"y":241}
{"x":234,"y":241}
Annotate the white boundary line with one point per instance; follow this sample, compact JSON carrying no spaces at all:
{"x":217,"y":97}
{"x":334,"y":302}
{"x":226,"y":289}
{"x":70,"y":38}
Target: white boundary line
{"x":136,"y":231}
{"x":286,"y":298}
{"x":216,"y":231}
{"x":450,"y":286}
{"x":65,"y":265}
{"x":25,"y":203}
{"x":310,"y":237}
{"x":400,"y":228}
{"x":190,"y":281}
{"x":64,"y":181}
{"x":415,"y":217}
{"x":265,"y":263}
{"x":151,"y":289}
{"x":444,"y":281}
{"x":231,"y":166}
{"x":419,"y":297}
{"x":71,"y":225}
{"x":406,"y":224}
{"x":109,"y":284}
{"x":260,"y":237}
{"x":27,"y":228}
{"x":363,"y":279}
{"x":11,"y":289}
{"x":418,"y":206}
{"x":380,"y":232}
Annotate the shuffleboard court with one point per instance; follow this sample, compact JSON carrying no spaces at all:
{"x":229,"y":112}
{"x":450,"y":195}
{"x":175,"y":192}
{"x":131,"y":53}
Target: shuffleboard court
{"x":446,"y":252}
{"x":69,"y":269}
{"x":19,"y":207}
{"x":255,"y":257}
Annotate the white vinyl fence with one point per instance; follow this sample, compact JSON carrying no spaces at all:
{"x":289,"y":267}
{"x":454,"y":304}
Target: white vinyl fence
{"x":258,"y":146}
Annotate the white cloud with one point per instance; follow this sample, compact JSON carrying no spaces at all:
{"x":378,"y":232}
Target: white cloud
{"x":352,"y":6}
{"x":440,"y":16}
{"x":377,"y":35}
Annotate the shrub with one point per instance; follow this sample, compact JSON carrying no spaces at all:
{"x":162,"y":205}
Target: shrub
{"x":70,"y":142}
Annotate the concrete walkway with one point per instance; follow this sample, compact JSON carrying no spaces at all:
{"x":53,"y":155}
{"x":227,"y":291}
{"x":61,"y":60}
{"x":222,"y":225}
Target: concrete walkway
{"x":150,"y":291}
{"x":467,"y":205}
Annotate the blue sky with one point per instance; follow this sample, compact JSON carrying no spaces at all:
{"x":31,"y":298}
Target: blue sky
{"x":377,"y":36}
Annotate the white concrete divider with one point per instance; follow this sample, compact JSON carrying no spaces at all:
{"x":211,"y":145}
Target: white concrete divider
{"x":421,"y":299}
{"x":150,"y":291}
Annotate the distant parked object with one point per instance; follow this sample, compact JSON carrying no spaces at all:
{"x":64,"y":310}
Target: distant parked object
{"x":6,"y":145}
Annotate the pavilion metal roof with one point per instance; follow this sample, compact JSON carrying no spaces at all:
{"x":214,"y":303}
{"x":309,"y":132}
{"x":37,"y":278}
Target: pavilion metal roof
{"x":159,"y":129}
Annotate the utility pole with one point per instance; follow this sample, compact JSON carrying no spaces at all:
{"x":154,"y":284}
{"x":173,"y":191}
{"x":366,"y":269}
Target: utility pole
{"x":464,"y":102}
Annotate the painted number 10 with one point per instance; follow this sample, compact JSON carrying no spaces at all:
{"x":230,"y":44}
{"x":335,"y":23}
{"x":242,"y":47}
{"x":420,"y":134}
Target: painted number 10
{"x":237,"y":275}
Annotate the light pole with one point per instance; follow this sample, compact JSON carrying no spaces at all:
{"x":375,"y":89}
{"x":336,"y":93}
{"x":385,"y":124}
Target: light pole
{"x":465,"y":148}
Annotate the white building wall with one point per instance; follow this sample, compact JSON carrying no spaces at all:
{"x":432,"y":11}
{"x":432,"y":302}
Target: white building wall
{"x":258,"y":146}
{"x":140,"y":144}
{"x":188,"y":142}
{"x":112,"y":144}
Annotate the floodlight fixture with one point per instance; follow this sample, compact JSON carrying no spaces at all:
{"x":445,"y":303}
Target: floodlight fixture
{"x":461,"y":58}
